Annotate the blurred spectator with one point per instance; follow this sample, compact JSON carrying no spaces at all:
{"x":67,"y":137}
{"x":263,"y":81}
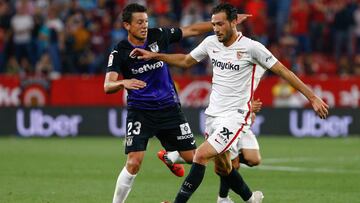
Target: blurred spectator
{"x":22,"y":24}
{"x":2,"y":49}
{"x":317,"y":24}
{"x":56,"y":38}
{"x":283,"y":9}
{"x":259,"y":21}
{"x":98,"y":45}
{"x":5,"y":17}
{"x":342,"y":24}
{"x":300,"y":16}
{"x":357,"y":29}
{"x":118,"y":33}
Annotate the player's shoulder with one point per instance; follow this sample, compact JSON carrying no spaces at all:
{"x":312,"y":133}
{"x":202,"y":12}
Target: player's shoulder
{"x":249,"y":43}
{"x":246,"y":41}
{"x":161,"y":31}
{"x":154,"y":31}
{"x":211,"y":39}
{"x":123,"y":44}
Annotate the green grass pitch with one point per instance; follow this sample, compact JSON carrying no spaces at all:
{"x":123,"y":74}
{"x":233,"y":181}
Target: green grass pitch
{"x":83,"y":170}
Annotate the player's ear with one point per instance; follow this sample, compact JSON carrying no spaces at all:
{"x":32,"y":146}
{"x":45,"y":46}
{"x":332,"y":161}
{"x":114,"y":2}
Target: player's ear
{"x":233,"y":23}
{"x":127,"y":26}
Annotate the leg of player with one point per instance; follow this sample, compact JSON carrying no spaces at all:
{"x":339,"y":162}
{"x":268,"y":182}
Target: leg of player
{"x":224,"y":188}
{"x":181,"y":157}
{"x":175,"y":157}
{"x":229,"y":176}
{"x":245,"y":151}
{"x":174,"y":160}
{"x":127,"y":176}
{"x":223,"y":197}
{"x":197,"y":171}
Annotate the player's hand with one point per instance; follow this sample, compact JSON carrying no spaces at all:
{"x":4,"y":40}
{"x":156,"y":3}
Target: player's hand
{"x":320,"y":107}
{"x":242,"y":17}
{"x":256,"y":105}
{"x":133,"y":84}
{"x":142,"y":54}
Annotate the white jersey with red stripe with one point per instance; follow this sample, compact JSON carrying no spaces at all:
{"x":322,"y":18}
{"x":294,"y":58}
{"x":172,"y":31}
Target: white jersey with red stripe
{"x":237,"y":70}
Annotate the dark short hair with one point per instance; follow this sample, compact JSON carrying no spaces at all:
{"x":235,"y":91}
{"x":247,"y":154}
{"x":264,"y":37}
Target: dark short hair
{"x":130,"y":9}
{"x":230,"y":10}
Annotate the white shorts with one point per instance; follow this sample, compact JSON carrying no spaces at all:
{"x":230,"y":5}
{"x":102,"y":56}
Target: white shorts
{"x":223,"y":132}
{"x":246,"y":140}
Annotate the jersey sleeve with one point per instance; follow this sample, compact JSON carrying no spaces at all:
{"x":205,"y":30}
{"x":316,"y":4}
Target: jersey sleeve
{"x":172,"y":34}
{"x":262,"y":55}
{"x":200,"y":52}
{"x":114,"y":61}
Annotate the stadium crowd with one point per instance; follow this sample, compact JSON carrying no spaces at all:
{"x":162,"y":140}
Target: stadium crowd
{"x":54,"y":37}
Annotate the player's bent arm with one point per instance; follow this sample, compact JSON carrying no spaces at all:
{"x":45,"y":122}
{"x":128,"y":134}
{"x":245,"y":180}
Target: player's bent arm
{"x":196,"y":29}
{"x":204,"y":27}
{"x":112,"y":84}
{"x":178,"y":60}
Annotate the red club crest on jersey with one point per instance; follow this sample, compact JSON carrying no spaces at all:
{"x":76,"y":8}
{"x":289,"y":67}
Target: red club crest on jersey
{"x":238,"y":54}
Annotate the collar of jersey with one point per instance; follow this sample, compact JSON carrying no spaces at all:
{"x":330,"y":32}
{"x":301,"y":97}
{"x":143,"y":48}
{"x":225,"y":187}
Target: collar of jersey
{"x":141,"y":46}
{"x":237,"y":39}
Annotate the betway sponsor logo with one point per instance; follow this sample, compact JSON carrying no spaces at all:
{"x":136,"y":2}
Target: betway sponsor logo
{"x":147,"y":67}
{"x":222,"y":65}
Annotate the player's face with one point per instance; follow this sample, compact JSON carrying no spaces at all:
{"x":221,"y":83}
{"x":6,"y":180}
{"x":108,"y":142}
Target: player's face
{"x":138,"y":27}
{"x":222,"y":27}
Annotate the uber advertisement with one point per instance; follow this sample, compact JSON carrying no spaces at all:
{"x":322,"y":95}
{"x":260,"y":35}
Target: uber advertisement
{"x":77,"y":121}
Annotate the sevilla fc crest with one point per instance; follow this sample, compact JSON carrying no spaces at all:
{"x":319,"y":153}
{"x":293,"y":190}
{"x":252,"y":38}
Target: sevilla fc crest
{"x":154,"y":47}
{"x":238,"y":54}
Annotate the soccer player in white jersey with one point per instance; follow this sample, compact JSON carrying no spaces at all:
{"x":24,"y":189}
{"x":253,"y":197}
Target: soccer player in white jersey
{"x":234,"y":58}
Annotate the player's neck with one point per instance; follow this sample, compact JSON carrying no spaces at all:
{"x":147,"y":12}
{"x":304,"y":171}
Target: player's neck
{"x":135,"y":41}
{"x":232,"y":39}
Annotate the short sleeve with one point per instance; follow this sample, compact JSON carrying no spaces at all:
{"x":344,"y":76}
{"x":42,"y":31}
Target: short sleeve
{"x":200,"y":52}
{"x":113,"y":61}
{"x":262,"y":55}
{"x":172,"y":34}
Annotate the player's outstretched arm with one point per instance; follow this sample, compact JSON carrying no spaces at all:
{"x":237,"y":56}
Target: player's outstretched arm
{"x":204,"y":27}
{"x":178,"y":60}
{"x":112,"y":84}
{"x":319,"y":106}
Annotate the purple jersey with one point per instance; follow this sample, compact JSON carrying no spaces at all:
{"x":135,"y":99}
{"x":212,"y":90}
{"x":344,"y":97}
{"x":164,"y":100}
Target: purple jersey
{"x":159,"y":92}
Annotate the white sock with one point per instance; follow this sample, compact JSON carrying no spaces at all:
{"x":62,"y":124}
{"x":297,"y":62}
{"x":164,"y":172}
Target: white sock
{"x":123,"y":186}
{"x":252,"y":198}
{"x":174,"y":158}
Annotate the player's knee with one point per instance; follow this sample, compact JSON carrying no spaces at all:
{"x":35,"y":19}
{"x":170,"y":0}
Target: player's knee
{"x":200,"y":157}
{"x":254,"y":160}
{"x":133,"y":165}
{"x":236,"y":165}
